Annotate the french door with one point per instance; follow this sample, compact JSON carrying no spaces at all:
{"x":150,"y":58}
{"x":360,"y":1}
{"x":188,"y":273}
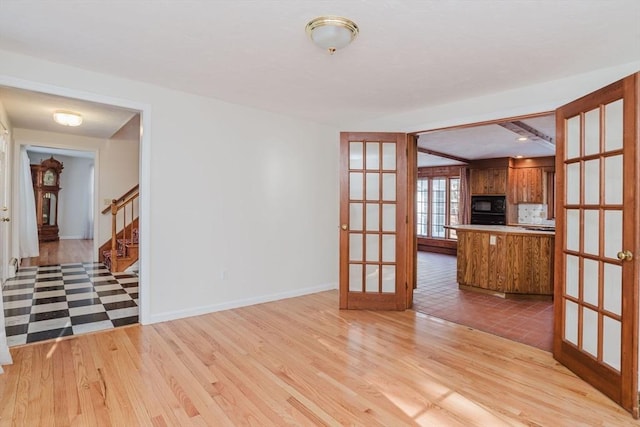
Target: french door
{"x":596,"y":260}
{"x":374,"y":235}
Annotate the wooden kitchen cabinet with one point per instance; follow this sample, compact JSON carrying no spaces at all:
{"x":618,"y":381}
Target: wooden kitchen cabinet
{"x":530,"y":260}
{"x":507,"y":262}
{"x":479,"y":264}
{"x":527,"y":185}
{"x":488,"y":181}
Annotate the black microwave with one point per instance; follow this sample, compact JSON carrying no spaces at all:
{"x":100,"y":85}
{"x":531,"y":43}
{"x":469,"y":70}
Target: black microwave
{"x":495,"y":205}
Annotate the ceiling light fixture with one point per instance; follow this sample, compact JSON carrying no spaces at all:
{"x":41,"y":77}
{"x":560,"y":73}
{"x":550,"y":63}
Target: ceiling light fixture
{"x":522,"y":139}
{"x":332,"y":32}
{"x":67,"y":118}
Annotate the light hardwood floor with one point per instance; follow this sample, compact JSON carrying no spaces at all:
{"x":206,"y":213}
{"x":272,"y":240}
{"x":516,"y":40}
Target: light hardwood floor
{"x":62,"y":252}
{"x":299,"y":361}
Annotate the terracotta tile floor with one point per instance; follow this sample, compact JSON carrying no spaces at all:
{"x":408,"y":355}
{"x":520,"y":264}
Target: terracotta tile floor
{"x":528,"y":322}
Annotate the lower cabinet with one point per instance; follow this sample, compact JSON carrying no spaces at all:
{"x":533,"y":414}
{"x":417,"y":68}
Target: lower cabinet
{"x":510,"y":263}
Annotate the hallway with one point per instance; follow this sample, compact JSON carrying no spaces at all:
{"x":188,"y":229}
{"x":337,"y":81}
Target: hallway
{"x":525,"y":321}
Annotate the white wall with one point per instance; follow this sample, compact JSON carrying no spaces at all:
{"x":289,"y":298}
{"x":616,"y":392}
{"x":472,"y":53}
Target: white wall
{"x":119,"y":171}
{"x":543,"y":97}
{"x":231,"y":189}
{"x":74,"y":200}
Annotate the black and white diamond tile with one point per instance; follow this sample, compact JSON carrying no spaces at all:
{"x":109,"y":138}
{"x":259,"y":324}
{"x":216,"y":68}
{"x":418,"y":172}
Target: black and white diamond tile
{"x":59,"y":300}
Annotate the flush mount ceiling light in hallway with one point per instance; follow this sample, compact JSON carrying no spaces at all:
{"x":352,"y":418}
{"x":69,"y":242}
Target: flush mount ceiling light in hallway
{"x":332,"y":32}
{"x":67,"y":118}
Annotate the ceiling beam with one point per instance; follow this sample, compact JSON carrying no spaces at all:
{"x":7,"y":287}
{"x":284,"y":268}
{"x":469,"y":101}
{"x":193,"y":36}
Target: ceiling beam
{"x":524,"y":129}
{"x":446,"y":156}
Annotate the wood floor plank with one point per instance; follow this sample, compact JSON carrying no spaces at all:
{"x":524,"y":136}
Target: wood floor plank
{"x":62,"y":252}
{"x":297,"y":362}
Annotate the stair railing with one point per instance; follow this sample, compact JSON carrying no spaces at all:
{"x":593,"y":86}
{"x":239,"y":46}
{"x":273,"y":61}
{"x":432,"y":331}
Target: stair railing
{"x":121,"y":206}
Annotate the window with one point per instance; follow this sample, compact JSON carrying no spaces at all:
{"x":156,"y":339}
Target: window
{"x":437,"y":206}
{"x":423,"y":206}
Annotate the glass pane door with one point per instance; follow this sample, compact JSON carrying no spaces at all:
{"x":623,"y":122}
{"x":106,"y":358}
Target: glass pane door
{"x":372,"y":213}
{"x":596,"y":292}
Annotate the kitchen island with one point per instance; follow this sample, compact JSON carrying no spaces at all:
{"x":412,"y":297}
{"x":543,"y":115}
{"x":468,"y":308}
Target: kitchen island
{"x":508,"y":261}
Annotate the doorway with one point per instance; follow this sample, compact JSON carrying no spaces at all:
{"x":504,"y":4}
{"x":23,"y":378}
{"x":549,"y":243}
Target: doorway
{"x":443,"y":196}
{"x":74,"y":209}
{"x":66,"y":290}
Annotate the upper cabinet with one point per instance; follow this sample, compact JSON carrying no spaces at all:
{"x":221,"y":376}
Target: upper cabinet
{"x":488,"y":181}
{"x":527,"y":185}
{"x":521,"y":180}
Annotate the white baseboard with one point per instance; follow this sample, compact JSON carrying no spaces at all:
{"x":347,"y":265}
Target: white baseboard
{"x":72,"y":237}
{"x":197,"y":311}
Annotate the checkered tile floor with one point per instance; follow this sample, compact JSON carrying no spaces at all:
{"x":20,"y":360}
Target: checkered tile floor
{"x":59,"y":300}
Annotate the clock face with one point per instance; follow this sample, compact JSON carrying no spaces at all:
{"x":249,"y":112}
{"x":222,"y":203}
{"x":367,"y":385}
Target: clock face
{"x":49,"y":177}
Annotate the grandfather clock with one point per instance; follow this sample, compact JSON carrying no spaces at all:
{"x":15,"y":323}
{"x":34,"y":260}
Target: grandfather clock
{"x":46,"y":186}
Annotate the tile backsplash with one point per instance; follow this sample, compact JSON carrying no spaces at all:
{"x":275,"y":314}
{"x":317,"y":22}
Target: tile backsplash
{"x":532,"y":214}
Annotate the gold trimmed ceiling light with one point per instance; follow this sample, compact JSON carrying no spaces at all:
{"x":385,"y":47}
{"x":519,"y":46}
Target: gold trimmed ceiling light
{"x":332,"y":32}
{"x":67,"y":118}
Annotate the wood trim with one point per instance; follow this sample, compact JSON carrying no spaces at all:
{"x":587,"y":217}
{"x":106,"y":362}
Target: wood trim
{"x":412,"y":241}
{"x":441,"y":243}
{"x":344,"y":220}
{"x":498,"y":162}
{"x":402,"y":233}
{"x":535,"y":162}
{"x":441,"y":246}
{"x":631,"y":227}
{"x":551,"y":200}
{"x":440,"y":171}
{"x":485,"y":122}
{"x":440,"y":154}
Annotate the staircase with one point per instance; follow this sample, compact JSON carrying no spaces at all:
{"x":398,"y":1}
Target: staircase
{"x":121,"y":251}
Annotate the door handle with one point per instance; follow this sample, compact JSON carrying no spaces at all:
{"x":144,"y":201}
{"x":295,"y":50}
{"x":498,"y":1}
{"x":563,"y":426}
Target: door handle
{"x":344,"y":226}
{"x":625,"y":255}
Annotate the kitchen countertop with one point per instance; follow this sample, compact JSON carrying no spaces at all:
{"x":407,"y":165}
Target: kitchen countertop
{"x":520,"y":229}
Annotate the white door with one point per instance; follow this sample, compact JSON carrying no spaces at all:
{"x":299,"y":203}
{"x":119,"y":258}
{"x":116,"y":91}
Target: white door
{"x":4,"y":208}
{"x":597,"y":268}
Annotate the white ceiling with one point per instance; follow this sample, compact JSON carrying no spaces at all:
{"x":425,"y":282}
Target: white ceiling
{"x":34,"y":110}
{"x":486,"y":142}
{"x":410,"y":54}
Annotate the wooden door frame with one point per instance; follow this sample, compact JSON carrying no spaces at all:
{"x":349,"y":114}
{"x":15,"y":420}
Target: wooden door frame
{"x":412,"y":234}
{"x":412,"y":172}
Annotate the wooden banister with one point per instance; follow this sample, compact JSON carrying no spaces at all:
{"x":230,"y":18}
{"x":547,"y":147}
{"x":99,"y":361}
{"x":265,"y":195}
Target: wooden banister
{"x":118,"y":209}
{"x":121,"y":198}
